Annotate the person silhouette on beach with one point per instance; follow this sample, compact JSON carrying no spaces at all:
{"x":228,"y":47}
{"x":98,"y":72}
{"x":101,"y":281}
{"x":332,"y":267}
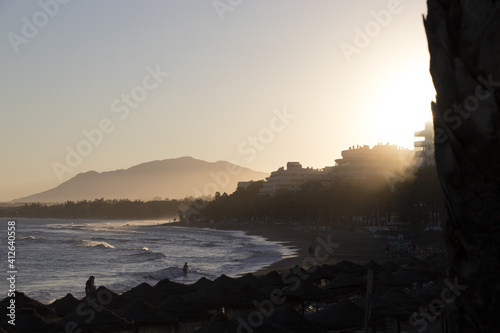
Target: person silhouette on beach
{"x":185,"y":269}
{"x":311,"y":251}
{"x":89,"y":286}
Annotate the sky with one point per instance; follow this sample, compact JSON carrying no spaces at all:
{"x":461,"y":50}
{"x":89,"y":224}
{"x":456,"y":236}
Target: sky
{"x":106,"y":85}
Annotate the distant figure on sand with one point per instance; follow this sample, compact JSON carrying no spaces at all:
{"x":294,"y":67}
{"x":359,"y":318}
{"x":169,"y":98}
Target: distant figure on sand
{"x":185,"y":269}
{"x":89,"y":286}
{"x":311,"y":251}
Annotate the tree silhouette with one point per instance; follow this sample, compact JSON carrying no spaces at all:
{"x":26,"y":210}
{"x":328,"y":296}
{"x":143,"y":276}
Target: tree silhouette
{"x":99,"y":208}
{"x":417,"y":200}
{"x":464,"y":44}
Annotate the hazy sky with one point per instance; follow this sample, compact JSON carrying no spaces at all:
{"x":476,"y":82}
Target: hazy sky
{"x":258,"y":82}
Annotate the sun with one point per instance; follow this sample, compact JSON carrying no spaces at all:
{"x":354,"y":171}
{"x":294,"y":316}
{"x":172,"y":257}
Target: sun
{"x":401,"y":106}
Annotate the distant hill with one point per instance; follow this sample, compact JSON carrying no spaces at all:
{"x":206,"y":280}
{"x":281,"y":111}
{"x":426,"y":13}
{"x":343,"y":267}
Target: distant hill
{"x":172,"y":178}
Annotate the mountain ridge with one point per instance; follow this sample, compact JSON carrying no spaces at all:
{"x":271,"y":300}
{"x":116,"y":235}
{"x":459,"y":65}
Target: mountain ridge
{"x":174,"y":178}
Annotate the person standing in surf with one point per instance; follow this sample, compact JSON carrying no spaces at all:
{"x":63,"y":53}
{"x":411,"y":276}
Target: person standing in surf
{"x":89,"y":286}
{"x":185,"y":269}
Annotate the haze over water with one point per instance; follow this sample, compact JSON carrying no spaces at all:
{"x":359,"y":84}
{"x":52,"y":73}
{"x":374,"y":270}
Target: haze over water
{"x":56,"y":257}
{"x":164,"y":79}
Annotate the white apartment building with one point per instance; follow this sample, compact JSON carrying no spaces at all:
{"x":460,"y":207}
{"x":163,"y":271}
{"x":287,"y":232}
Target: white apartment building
{"x":424,"y":149}
{"x":363,"y":162}
{"x":358,"y":163}
{"x":292,"y":178}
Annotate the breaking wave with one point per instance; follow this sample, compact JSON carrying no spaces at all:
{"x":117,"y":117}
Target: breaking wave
{"x":89,"y":243}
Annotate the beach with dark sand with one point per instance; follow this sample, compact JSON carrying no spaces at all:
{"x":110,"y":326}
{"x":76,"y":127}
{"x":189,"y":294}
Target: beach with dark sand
{"x":356,"y":245}
{"x":329,"y":297}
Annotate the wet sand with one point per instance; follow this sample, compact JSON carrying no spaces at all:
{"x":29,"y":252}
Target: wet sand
{"x":332,"y":246}
{"x":357,"y":246}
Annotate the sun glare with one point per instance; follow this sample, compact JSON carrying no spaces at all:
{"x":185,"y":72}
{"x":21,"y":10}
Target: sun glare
{"x":400,"y":107}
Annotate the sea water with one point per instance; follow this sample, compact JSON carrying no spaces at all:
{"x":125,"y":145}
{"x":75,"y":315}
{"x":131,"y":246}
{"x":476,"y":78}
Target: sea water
{"x":56,"y":256}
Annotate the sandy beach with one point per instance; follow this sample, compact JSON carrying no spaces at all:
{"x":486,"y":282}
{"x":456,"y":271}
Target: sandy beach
{"x":146,"y":304}
{"x":356,"y":246}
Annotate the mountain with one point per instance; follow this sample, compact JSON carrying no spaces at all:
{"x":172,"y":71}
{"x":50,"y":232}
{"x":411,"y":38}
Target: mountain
{"x":172,"y":178}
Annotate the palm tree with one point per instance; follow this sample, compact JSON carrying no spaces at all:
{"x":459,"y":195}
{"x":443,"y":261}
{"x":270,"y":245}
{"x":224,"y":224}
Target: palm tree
{"x":464,"y":44}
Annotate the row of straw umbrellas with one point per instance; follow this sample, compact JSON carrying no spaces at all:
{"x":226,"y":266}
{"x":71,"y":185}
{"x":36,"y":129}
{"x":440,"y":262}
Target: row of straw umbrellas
{"x":325,"y":298}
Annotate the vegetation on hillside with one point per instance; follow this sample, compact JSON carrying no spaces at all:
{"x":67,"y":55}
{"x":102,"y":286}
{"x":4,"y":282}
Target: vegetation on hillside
{"x":98,"y":208}
{"x":416,"y":200}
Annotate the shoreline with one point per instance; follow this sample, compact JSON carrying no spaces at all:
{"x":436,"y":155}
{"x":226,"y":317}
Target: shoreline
{"x":333,"y":246}
{"x":356,"y":246}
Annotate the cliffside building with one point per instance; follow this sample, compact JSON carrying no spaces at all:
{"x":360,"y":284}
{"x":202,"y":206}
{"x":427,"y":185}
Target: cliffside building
{"x":424,"y":149}
{"x":292,"y":178}
{"x":360,"y":163}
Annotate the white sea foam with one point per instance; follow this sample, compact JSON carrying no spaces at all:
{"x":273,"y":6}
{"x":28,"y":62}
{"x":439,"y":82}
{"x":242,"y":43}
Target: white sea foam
{"x":27,"y":237}
{"x":89,"y":243}
{"x":121,"y":257}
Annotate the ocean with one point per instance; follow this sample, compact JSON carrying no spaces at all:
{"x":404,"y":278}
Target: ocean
{"x":56,"y":256}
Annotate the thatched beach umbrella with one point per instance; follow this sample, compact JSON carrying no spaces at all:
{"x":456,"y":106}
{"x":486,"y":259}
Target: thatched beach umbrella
{"x":392,"y":280}
{"x":379,"y":307}
{"x":142,"y":313}
{"x":433,"y":292}
{"x":390,"y":266}
{"x":166,"y":288}
{"x":44,"y":311}
{"x":300,"y":273}
{"x":220,"y":323}
{"x":410,"y":276}
{"x":431,"y":271}
{"x":217,"y":296}
{"x":227,"y":281}
{"x":314,"y":274}
{"x":273,"y":279}
{"x":345,"y":284}
{"x":29,"y":321}
{"x":63,"y":306}
{"x":250,"y":293}
{"x":185,"y":311}
{"x":108,"y":298}
{"x":144,"y":291}
{"x":249,"y":278}
{"x":342,"y":315}
{"x":25,"y":302}
{"x":403,"y":300}
{"x":408,"y":261}
{"x":438,"y":259}
{"x":20,"y":298}
{"x":296,"y":270}
{"x":202,"y":283}
{"x":374,"y":267}
{"x":93,"y":320}
{"x":345,"y":280}
{"x":327,"y":272}
{"x":255,"y":321}
{"x":305,"y":291}
{"x":286,"y":317}
{"x":346,"y":266}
